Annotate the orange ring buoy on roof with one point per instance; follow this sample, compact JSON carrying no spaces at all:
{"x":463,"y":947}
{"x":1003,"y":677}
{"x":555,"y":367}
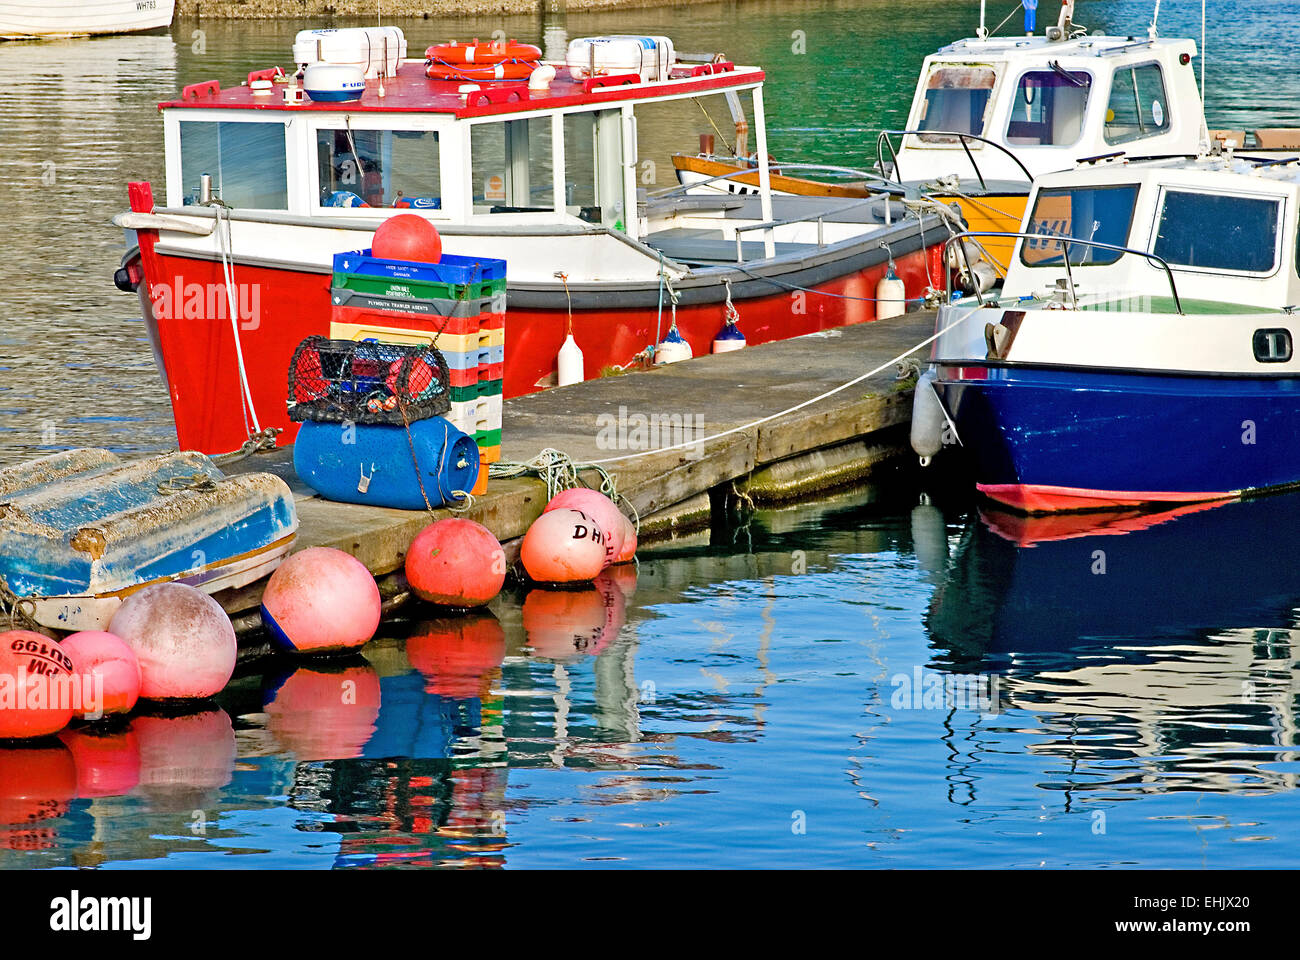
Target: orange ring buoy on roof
{"x":499,"y":71}
{"x":483,"y":53}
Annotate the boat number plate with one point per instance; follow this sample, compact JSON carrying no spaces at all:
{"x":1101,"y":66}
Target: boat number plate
{"x":1272,"y":345}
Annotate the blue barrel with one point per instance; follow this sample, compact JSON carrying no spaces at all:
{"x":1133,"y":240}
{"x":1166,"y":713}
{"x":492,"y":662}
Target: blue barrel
{"x":372,"y":463}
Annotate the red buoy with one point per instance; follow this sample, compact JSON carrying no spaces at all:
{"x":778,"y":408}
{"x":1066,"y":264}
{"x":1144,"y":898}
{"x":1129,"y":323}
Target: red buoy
{"x":407,"y":236}
{"x":456,"y":655}
{"x":322,"y":714}
{"x":321,"y":601}
{"x":563,"y":546}
{"x":36,"y":686}
{"x":456,"y":563}
{"x":183,"y":640}
{"x":96,"y":654}
{"x":601,"y":509}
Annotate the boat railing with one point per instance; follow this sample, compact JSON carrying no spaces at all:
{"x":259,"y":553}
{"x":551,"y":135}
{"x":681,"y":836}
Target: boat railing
{"x":819,"y":219}
{"x":883,"y":140}
{"x":886,"y":185}
{"x":1065,"y":243}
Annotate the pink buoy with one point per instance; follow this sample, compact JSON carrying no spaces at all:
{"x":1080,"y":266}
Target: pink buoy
{"x":321,"y":601}
{"x":601,"y":509}
{"x":629,"y":543}
{"x":563,"y":546}
{"x":183,"y":640}
{"x":456,"y":563}
{"x":36,"y":686}
{"x":109,"y":661}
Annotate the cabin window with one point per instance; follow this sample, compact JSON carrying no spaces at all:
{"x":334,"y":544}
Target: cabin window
{"x":378,"y":168}
{"x":1098,"y":214}
{"x":1218,"y":232}
{"x":956,"y":100}
{"x":245,"y":160}
{"x":1048,"y":108}
{"x":1138,"y":106}
{"x":512,"y":166}
{"x":593,"y":167}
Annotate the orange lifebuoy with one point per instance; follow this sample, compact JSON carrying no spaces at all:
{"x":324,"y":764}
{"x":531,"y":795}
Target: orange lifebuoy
{"x":482,"y":53}
{"x":499,"y":71}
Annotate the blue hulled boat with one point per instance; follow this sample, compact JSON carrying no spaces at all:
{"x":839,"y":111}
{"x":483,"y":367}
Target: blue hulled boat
{"x":1140,"y":349}
{"x":81,"y":530}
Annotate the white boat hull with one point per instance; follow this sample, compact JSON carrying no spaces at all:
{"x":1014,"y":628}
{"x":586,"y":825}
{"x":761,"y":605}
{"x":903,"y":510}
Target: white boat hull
{"x":29,"y":19}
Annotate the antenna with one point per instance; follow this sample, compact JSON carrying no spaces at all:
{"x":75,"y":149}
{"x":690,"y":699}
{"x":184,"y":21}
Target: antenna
{"x":983,"y":31}
{"x":1151,"y":30}
{"x":1202,"y":56}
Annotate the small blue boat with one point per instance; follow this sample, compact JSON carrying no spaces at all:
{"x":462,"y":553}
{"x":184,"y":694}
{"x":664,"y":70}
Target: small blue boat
{"x":1141,"y":348}
{"x":82,"y":529}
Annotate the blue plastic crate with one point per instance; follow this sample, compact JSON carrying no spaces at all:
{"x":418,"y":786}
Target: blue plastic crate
{"x":451,"y":269}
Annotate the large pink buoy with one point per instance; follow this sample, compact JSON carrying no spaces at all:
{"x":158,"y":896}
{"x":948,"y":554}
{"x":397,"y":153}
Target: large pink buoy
{"x":183,"y":640}
{"x":325,"y":714}
{"x":628,"y":552}
{"x":36,"y":695}
{"x":601,"y":509}
{"x":108,"y":659}
{"x":407,"y":236}
{"x":321,"y":601}
{"x":456,"y":563}
{"x":563,"y":546}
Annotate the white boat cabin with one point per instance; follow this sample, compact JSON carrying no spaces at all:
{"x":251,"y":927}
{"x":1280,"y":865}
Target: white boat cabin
{"x":1221,"y":232}
{"x":1050,"y":100}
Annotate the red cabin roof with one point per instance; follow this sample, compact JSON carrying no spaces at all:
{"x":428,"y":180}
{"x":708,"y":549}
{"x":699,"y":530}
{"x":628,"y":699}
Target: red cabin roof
{"x":412,"y":92}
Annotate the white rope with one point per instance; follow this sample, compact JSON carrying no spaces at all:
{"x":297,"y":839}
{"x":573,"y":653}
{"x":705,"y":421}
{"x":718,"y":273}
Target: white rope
{"x":799,"y":406}
{"x":223,"y":242}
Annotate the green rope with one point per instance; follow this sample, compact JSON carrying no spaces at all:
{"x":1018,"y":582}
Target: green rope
{"x":561,"y":472}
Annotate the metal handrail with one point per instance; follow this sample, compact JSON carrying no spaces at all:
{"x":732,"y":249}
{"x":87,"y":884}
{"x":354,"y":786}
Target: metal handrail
{"x":886,"y":185}
{"x":1065,"y":256}
{"x":883,"y":139}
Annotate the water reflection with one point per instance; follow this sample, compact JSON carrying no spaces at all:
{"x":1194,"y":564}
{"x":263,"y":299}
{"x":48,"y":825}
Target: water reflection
{"x":1154,"y":651}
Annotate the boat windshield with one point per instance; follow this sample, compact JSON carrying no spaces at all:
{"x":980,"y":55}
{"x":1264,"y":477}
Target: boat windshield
{"x":245,"y":159}
{"x":1048,"y":108}
{"x":1218,"y":232}
{"x":1101,"y":214}
{"x":956,"y":99}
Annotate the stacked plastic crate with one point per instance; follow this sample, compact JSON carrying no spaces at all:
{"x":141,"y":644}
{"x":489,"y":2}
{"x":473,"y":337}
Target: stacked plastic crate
{"x":457,"y":305}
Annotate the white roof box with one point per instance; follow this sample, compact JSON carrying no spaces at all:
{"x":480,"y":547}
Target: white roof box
{"x":373,"y":49}
{"x":650,"y":57}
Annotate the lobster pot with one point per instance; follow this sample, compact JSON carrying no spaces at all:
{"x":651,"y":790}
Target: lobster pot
{"x":385,"y":466}
{"x":345,"y":381}
{"x":457,"y":306}
{"x":651,"y":58}
{"x":374,"y":50}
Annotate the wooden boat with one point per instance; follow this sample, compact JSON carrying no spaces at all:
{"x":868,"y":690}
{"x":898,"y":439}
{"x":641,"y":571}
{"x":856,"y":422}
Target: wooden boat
{"x":1141,"y":349}
{"x":30,"y":19}
{"x":81,"y":530}
{"x":541,"y":173}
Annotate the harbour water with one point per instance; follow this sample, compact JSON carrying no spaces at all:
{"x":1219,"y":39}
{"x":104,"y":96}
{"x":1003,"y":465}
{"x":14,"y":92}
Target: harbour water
{"x":865,"y":681}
